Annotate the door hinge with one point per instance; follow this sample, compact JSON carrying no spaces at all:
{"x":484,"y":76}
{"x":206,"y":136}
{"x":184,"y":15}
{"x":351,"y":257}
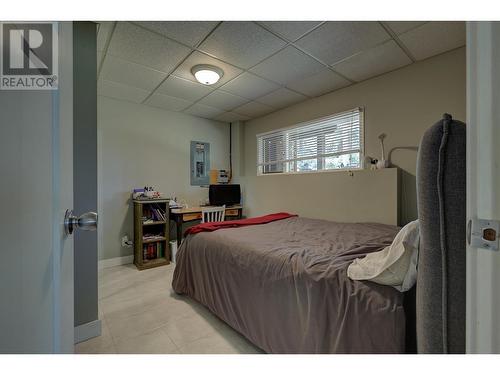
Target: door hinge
{"x":483,"y":234}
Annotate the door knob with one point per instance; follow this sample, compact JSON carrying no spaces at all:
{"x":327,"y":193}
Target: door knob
{"x":86,"y":221}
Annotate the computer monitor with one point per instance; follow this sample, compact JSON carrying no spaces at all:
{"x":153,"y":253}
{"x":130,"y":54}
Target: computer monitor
{"x":228,"y":194}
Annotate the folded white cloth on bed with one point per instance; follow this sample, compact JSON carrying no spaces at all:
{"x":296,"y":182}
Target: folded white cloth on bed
{"x":395,"y":265}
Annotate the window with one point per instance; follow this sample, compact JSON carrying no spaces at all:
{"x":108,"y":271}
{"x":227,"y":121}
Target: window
{"x":328,"y":143}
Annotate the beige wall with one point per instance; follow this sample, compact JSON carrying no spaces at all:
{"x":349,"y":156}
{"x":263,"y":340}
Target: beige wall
{"x":343,"y":198}
{"x":140,"y":145}
{"x":402,"y":104}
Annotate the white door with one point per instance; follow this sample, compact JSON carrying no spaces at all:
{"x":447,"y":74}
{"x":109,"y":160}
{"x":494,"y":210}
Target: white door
{"x":36,"y":187}
{"x":483,"y":183}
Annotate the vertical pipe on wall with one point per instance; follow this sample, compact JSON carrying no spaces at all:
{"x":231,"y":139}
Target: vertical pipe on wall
{"x":230,"y":152}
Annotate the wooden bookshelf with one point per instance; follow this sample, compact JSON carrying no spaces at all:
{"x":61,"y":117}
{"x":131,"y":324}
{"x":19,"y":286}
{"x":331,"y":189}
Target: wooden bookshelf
{"x":154,"y":252}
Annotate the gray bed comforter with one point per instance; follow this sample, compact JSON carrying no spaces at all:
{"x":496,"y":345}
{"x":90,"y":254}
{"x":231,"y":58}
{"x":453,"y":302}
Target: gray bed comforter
{"x":284,"y":285}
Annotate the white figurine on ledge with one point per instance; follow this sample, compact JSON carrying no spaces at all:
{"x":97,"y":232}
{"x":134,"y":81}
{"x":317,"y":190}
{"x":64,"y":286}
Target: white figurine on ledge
{"x":382,"y":163}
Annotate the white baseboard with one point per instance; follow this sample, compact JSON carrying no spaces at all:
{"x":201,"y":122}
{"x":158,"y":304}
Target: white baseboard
{"x":87,"y":331}
{"x":118,"y":261}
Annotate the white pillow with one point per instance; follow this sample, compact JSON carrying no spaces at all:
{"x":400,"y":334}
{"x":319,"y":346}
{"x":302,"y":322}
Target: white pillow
{"x":395,"y":265}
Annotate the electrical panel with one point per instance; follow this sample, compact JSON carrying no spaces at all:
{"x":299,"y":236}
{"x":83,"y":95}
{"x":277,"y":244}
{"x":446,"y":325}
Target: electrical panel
{"x":200,"y":163}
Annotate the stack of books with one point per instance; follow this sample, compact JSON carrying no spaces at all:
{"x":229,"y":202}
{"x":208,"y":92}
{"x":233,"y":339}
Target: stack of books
{"x":153,"y":213}
{"x":153,"y":251}
{"x":149,"y":237}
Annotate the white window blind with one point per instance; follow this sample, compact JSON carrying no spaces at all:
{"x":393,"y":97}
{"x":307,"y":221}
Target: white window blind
{"x":327,"y":143}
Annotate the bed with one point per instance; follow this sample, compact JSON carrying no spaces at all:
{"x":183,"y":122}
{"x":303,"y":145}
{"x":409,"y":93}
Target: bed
{"x":284,"y":285}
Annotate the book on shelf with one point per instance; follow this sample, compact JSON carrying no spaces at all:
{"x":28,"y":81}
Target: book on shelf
{"x":153,"y":251}
{"x":153,"y":213}
{"x":150,"y":237}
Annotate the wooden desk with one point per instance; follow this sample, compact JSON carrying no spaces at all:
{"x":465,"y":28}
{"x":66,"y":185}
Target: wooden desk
{"x":186,"y":215}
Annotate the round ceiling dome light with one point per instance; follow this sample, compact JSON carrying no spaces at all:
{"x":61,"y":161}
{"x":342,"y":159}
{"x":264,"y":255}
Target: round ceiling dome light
{"x":207,"y":74}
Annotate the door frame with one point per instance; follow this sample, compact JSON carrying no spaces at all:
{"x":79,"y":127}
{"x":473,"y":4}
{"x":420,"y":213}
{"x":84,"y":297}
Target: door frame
{"x":483,"y":182}
{"x":62,"y":194}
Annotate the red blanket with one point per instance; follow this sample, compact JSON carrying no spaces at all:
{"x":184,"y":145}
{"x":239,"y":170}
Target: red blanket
{"x":210,"y":227}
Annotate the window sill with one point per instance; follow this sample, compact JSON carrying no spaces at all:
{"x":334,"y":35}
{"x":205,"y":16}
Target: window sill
{"x":314,"y":172}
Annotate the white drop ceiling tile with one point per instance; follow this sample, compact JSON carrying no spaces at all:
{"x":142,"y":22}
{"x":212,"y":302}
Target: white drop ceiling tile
{"x":196,"y":58}
{"x":287,"y":65}
{"x":434,"y":38}
{"x":183,"y":88}
{"x":136,"y":44}
{"x":249,"y":86}
{"x":243,"y":44}
{"x":281,"y":98}
{"x":336,"y":40}
{"x":291,"y":30}
{"x":254,"y":109}
{"x":103,"y":33}
{"x":372,"y":62}
{"x":130,"y":74}
{"x":223,"y":100}
{"x":400,"y":27}
{"x":187,"y":32}
{"x":204,"y":111}
{"x":167,"y":102}
{"x":231,"y":116}
{"x":122,"y":92}
{"x":319,"y":83}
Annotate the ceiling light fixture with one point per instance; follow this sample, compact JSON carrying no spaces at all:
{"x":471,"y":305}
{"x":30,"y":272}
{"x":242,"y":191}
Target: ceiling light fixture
{"x":207,"y":74}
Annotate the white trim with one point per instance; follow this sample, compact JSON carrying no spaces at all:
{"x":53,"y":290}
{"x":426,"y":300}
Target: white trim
{"x":289,"y":162}
{"x":337,"y":170}
{"x":87,"y":331}
{"x":118,"y":261}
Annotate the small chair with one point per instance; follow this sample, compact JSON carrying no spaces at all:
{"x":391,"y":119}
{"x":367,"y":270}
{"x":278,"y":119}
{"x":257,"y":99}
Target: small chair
{"x":211,"y":214}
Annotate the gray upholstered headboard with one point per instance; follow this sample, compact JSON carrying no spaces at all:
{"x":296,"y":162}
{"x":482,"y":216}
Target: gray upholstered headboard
{"x":441,"y":195}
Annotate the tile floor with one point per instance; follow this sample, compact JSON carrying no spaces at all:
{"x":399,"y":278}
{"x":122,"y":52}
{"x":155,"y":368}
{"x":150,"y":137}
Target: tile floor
{"x":140,"y":313}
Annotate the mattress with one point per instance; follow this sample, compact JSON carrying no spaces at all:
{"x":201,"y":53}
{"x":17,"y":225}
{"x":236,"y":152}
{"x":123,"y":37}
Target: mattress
{"x":284,"y":285}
